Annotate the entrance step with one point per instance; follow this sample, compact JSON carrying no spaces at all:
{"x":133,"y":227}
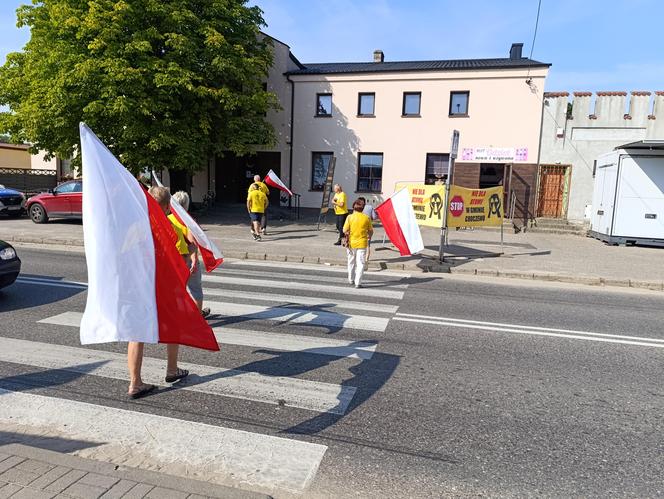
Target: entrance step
{"x":559,"y":226}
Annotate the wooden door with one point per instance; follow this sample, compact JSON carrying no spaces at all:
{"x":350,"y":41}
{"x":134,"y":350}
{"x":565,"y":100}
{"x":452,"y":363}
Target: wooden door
{"x":552,"y":191}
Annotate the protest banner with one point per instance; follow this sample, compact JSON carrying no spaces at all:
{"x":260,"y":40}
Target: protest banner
{"x":427,"y":201}
{"x":475,"y":207}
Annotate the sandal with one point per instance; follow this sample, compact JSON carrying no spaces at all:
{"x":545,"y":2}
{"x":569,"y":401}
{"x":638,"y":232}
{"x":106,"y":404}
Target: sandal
{"x":205,"y":312}
{"x":141,"y":392}
{"x":179,"y":374}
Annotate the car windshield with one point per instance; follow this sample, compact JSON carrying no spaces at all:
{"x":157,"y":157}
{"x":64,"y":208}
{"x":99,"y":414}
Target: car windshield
{"x":2,"y":186}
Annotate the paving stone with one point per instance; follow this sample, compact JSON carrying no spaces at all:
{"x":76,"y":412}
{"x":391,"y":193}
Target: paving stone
{"x":119,"y":489}
{"x":28,"y":493}
{"x":10,"y":462}
{"x":196,"y":496}
{"x":19,"y":476}
{"x":8,"y":489}
{"x":84,"y":491}
{"x":97,"y":480}
{"x":65,"y":481}
{"x":138,"y":492}
{"x":3,"y":456}
{"x":48,"y":478}
{"x":162,"y":493}
{"x":35,"y":466}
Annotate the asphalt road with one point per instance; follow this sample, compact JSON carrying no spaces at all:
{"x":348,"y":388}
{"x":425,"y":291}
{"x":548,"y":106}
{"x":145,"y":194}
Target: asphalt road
{"x":476,"y":387}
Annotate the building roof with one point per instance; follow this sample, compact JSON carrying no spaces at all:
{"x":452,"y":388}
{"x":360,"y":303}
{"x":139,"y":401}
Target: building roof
{"x":651,"y":145}
{"x":409,"y":66}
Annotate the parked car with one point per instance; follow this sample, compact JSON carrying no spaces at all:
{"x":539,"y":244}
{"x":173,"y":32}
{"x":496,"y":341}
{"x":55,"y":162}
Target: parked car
{"x":10,"y":264}
{"x":12,"y":202}
{"x":65,"y":201}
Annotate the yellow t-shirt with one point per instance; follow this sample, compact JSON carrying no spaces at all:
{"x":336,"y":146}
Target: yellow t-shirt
{"x":258,"y":199}
{"x":181,"y":231}
{"x":262,"y":187}
{"x":359,"y":225}
{"x":340,"y":198}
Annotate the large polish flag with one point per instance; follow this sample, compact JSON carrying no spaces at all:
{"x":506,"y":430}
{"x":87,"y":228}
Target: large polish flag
{"x":136,"y":277}
{"x":210,"y":253}
{"x":272,"y":179}
{"x":398,"y":219}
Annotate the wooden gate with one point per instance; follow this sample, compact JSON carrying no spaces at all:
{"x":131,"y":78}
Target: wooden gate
{"x":553,"y":187}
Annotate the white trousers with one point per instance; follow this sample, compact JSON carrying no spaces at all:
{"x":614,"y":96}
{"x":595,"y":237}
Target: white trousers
{"x":356,"y":260}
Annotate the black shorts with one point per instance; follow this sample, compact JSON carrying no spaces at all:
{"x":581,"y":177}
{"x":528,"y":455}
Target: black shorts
{"x":255,"y":216}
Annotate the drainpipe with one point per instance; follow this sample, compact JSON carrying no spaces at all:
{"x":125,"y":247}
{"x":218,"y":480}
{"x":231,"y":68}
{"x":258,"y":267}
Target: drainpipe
{"x":292,"y":125}
{"x":539,"y":156}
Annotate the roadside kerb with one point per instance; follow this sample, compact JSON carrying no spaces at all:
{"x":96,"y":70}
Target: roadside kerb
{"x":426,"y":266}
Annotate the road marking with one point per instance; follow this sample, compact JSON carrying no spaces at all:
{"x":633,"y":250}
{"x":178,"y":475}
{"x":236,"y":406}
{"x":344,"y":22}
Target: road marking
{"x":275,"y":341}
{"x":276,"y":390}
{"x":217,"y":452}
{"x":292,"y":315}
{"x":52,"y":282}
{"x":532,"y":330}
{"x":302,"y":277}
{"x":301,"y":300}
{"x":369,"y":292}
{"x":322,"y":269}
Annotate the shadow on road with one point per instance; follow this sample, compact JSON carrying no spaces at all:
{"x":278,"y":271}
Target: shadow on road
{"x":24,"y":294}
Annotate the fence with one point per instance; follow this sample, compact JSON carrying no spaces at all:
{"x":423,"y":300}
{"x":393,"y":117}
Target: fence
{"x":28,"y":181}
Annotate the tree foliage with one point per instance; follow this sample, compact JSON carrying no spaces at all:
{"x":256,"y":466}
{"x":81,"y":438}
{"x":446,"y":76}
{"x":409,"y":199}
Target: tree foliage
{"x":164,"y":83}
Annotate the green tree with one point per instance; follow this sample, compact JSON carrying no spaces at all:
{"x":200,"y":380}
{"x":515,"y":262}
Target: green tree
{"x":164,"y":83}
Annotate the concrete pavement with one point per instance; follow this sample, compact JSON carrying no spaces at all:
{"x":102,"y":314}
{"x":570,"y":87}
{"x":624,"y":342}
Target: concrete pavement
{"x":553,"y":257}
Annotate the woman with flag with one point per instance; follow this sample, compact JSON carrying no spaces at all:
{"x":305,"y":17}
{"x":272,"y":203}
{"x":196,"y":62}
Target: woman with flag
{"x":358,"y":230}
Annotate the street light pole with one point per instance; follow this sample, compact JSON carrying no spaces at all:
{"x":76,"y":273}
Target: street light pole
{"x":454,"y":149}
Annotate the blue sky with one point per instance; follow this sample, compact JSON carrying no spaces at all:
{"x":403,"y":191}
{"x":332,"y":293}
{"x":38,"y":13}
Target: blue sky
{"x":592,"y":44}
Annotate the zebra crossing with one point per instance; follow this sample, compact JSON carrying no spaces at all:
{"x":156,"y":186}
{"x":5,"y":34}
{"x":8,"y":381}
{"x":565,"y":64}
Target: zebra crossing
{"x":304,"y":312}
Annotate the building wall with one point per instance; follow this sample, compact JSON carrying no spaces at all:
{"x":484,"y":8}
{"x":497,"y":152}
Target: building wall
{"x":14,"y":156}
{"x":591,"y":131}
{"x":497,"y":97}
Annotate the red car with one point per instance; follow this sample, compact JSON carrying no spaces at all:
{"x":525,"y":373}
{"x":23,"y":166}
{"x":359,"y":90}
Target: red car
{"x":65,"y":201}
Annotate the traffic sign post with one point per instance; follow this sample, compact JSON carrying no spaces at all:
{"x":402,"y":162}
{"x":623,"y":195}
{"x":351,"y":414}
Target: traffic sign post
{"x":454,"y":149}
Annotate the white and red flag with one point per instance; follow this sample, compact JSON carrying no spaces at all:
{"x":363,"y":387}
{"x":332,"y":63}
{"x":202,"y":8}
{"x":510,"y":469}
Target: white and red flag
{"x":136,"y":276}
{"x":273,"y":180}
{"x":398,"y":219}
{"x":210,"y":253}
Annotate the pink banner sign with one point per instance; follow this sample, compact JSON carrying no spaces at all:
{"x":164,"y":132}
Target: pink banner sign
{"x":495,"y":154}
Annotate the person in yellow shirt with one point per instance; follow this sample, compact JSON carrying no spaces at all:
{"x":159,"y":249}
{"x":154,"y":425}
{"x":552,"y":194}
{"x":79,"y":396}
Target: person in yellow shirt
{"x":340,"y":210}
{"x":256,"y":205}
{"x":359,"y":230}
{"x":266,"y":191}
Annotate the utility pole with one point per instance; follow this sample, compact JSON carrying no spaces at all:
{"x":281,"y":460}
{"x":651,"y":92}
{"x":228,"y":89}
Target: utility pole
{"x":454,"y":149}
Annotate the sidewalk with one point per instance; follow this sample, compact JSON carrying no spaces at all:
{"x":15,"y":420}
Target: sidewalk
{"x":34,"y":473}
{"x":539,"y":256}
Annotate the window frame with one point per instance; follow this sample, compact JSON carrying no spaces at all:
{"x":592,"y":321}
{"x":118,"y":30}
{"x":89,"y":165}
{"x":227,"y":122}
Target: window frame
{"x":426,"y":164}
{"x":311,"y":184}
{"x":419,"y":105}
{"x":360,"y":114}
{"x":318,"y":96}
{"x":359,"y":164}
{"x":459,"y":115}
{"x":68,"y":183}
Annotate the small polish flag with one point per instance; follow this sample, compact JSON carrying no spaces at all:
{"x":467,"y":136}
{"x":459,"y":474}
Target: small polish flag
{"x":398,"y":219}
{"x":137,"y":280}
{"x":273,"y":180}
{"x":210,"y":253}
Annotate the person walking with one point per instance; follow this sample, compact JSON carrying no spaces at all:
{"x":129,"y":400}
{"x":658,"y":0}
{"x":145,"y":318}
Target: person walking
{"x":195,"y":284}
{"x":256,"y":205}
{"x":359,"y":230}
{"x":263,"y":187}
{"x":369,"y":211}
{"x":137,"y":388}
{"x":340,"y":210}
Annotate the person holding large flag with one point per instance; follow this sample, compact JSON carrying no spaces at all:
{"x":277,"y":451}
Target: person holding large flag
{"x":261,"y":185}
{"x":359,"y":230}
{"x":398,"y":218}
{"x":136,"y":277}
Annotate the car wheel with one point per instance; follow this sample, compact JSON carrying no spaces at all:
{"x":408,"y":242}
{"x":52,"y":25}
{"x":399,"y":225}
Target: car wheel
{"x":38,"y":214}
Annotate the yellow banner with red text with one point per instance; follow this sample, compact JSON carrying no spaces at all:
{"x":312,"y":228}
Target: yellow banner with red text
{"x":475,"y":207}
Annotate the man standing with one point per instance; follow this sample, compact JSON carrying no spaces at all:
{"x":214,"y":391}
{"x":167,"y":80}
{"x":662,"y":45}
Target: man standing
{"x":266,"y":191}
{"x":256,"y":205}
{"x":340,"y":210}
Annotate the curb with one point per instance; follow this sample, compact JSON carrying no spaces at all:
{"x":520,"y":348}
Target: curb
{"x":425,"y":266}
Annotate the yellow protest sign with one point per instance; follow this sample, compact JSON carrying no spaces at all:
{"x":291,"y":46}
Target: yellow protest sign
{"x":475,"y":207}
{"x":427,"y":201}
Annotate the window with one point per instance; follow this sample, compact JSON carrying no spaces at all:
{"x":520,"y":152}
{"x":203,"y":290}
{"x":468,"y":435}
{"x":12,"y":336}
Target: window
{"x":411,"y":103}
{"x":323,"y":104}
{"x":436,"y":168}
{"x":366,"y":104}
{"x":65,"y":188}
{"x":370,"y":172}
{"x":319,"y":164}
{"x":459,"y":103}
{"x":78,"y":187}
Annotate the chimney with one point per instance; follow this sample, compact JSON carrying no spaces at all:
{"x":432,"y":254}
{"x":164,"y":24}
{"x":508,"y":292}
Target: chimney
{"x":379,"y":56}
{"x":515,"y":51}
